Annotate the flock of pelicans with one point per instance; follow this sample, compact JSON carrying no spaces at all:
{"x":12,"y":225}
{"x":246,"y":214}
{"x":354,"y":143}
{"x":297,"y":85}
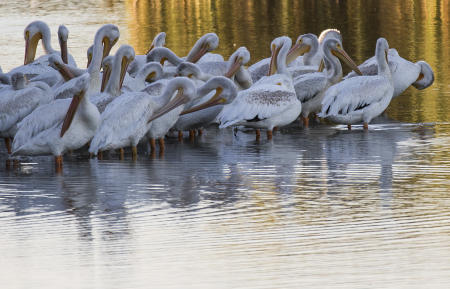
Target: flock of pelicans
{"x":49,"y":106}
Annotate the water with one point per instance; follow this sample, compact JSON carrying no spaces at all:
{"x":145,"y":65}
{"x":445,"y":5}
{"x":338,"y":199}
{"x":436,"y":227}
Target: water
{"x":317,"y":208}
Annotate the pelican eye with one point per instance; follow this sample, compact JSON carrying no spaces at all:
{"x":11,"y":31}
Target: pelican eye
{"x":338,"y":46}
{"x":190,"y":75}
{"x":300,"y":41}
{"x":27,"y":34}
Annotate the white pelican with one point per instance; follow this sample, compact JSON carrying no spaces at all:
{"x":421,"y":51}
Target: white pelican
{"x":19,"y":100}
{"x":150,"y":72}
{"x":404,"y":73}
{"x":140,"y":60}
{"x":361,"y":98}
{"x":128,"y":118}
{"x":122,"y":58}
{"x":104,"y":39}
{"x":64,"y":124}
{"x":310,"y":88}
{"x":67,"y":124}
{"x":203,"y":111}
{"x":269,"y":102}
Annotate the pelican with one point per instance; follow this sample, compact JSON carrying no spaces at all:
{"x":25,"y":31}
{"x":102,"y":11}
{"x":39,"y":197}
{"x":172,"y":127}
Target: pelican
{"x":66,"y":124}
{"x":104,"y":40}
{"x":140,"y":60}
{"x":128,"y":118}
{"x":122,"y":58}
{"x":34,"y":32}
{"x":361,"y":98}
{"x":269,"y":102}
{"x":404,"y":73}
{"x":19,"y":100}
{"x":310,"y":88}
{"x":205,"y":110}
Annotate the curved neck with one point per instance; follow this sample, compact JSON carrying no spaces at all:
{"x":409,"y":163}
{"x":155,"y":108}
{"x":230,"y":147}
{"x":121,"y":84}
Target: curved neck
{"x":113,"y":86}
{"x":383,"y":67}
{"x":160,"y":53}
{"x":281,"y":59}
{"x":46,"y":41}
{"x":96,"y":63}
{"x":332,"y":65}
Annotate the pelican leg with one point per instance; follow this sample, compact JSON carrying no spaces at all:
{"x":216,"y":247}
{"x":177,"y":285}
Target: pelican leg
{"x":305,"y":121}
{"x":365,"y":126}
{"x":121,"y":154}
{"x":349,"y":126}
{"x":180,"y":136}
{"x":100,"y":155}
{"x":134,"y":153}
{"x":258,"y":134}
{"x":58,"y":163}
{"x":275,"y":128}
{"x":152,"y":145}
{"x":8,"y":144}
{"x":200,"y":132}
{"x":269,"y":134}
{"x":161,"y":146}
{"x":191,"y":134}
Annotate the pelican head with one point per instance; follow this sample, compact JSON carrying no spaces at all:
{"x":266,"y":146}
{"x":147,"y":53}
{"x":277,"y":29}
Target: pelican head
{"x":158,"y":41}
{"x":126,"y":54}
{"x":188,"y":69}
{"x":381,"y":53}
{"x":330,"y":33}
{"x":226,"y":92}
{"x":107,"y":67}
{"x":80,"y":88}
{"x":426,"y":76}
{"x":151,"y":71}
{"x":304,"y":44}
{"x":56,"y":62}
{"x":206,"y":43}
{"x":110,"y":36}
{"x":34,"y":32}
{"x":18,"y":81}
{"x":279,"y":47}
{"x":240,"y":57}
{"x":334,"y":46}
{"x":186,"y":92}
{"x":63,"y":35}
{"x":161,"y":54}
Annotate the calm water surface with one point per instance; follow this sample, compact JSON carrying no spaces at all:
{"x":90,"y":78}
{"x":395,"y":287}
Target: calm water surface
{"x":317,"y":208}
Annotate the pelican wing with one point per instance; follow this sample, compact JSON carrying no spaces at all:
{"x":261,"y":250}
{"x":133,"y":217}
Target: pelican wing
{"x":21,"y":103}
{"x":256,"y":104}
{"x":123,"y":119}
{"x":353,"y":94}
{"x":309,"y":85}
{"x":42,"y":118}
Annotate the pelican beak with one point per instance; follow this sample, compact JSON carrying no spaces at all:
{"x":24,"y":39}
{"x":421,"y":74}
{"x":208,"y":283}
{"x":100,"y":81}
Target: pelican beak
{"x":150,"y":49}
{"x":297,"y":50}
{"x":273,"y":60}
{"x":321,"y":66}
{"x":71,"y":112}
{"x":30,"y":47}
{"x":178,"y":100}
{"x":105,"y":77}
{"x":64,"y":55}
{"x":215,"y":100}
{"x":203,"y":50}
{"x":64,"y":71}
{"x":107,"y":45}
{"x":150,"y":76}
{"x":89,"y":59}
{"x":236,"y":65}
{"x":162,"y":61}
{"x":123,"y":70}
{"x":341,"y":54}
